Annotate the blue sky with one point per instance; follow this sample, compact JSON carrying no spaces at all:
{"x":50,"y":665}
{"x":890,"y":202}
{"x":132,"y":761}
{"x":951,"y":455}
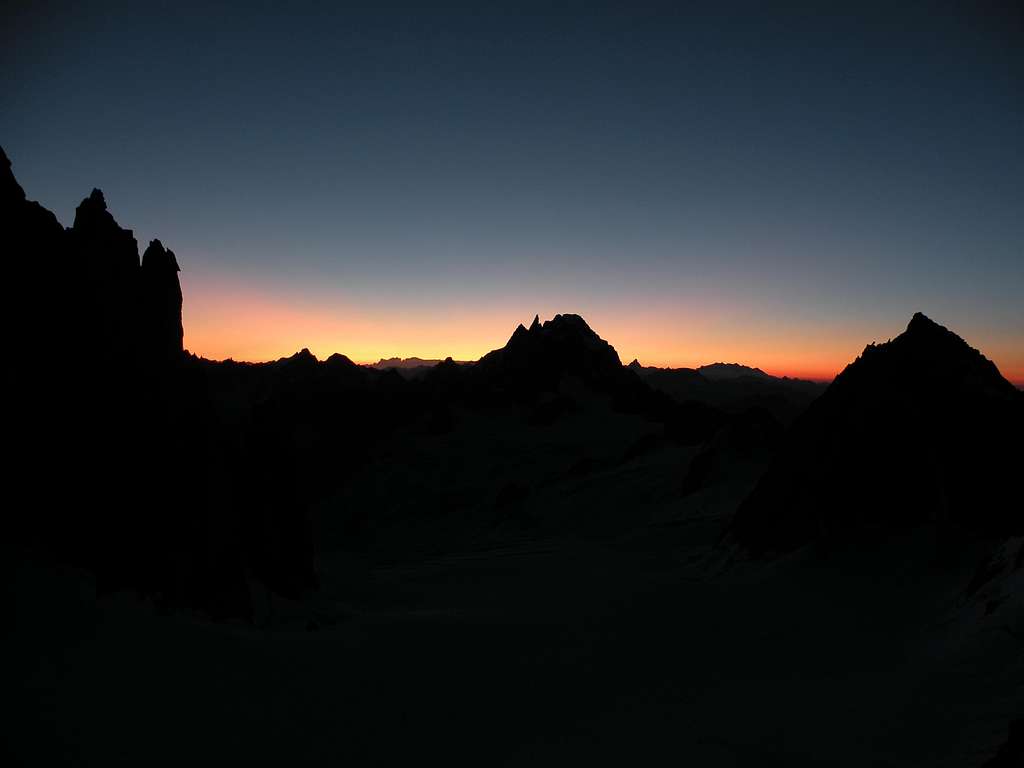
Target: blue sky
{"x":700,"y":181}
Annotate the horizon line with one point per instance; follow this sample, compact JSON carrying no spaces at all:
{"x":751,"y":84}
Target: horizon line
{"x":815,"y":378}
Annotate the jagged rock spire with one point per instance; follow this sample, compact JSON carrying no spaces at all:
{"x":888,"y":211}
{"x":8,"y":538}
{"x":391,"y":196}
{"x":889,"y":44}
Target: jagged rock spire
{"x":159,"y":259}
{"x":92,"y":213}
{"x":163,"y":334}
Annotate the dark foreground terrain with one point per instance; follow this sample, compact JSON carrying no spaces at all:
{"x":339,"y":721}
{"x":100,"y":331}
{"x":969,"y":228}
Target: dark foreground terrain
{"x":540,"y":557}
{"x":639,"y":650}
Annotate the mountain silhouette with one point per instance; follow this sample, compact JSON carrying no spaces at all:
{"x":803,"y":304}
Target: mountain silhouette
{"x":539,"y":357}
{"x":921,"y":429}
{"x":733,"y":388}
{"x":407,"y":363}
{"x":151,"y":471}
{"x":718,"y":371}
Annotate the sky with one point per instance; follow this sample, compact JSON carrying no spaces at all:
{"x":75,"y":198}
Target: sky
{"x":702,"y":182}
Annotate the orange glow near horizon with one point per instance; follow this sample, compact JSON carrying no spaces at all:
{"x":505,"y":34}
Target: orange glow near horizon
{"x":225,"y":320}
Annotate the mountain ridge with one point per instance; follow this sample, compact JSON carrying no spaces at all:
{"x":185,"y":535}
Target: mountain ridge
{"x":924,"y":421}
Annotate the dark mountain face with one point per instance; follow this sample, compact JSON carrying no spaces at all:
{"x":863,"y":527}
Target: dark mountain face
{"x":922,"y":429}
{"x":133,"y":470}
{"x":540,"y":357}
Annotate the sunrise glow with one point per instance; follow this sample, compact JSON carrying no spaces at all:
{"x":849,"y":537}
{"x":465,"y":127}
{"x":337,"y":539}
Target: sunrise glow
{"x":226,"y":319}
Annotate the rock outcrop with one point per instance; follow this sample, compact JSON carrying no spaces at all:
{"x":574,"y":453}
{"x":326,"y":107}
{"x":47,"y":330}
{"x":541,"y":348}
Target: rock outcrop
{"x":160,"y":307}
{"x":106,"y":260}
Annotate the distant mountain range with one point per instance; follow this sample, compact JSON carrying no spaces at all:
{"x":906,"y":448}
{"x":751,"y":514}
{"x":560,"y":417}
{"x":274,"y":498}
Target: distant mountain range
{"x":566,"y":345}
{"x":712,"y":372}
{"x":719,"y":371}
{"x":733,"y":387}
{"x":408,"y":363}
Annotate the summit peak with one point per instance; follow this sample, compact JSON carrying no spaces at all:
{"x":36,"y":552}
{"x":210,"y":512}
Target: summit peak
{"x":921,"y":321}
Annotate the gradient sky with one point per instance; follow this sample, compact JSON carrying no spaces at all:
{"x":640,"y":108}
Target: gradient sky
{"x":701,"y":182}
